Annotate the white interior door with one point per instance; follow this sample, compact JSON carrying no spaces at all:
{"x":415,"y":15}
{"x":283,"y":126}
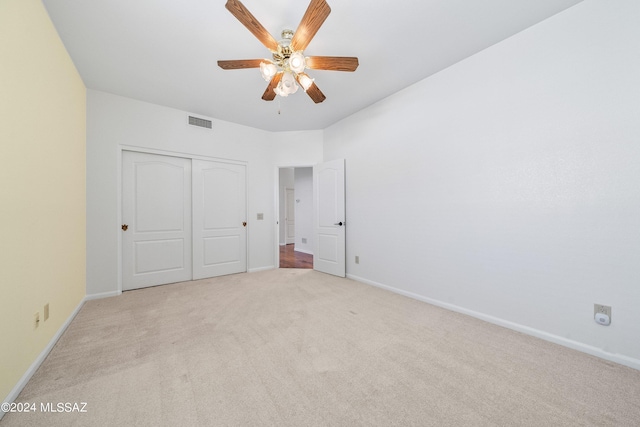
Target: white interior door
{"x":219,"y":219}
{"x":156,"y":207}
{"x":329,"y":217}
{"x":290,"y":216}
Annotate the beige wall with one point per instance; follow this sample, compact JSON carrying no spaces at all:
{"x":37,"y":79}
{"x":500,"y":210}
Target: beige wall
{"x":42,"y":185}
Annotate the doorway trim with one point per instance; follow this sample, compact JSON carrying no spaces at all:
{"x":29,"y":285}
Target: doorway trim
{"x":288,"y":206}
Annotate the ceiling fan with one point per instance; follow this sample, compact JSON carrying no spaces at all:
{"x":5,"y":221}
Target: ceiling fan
{"x":288,"y":63}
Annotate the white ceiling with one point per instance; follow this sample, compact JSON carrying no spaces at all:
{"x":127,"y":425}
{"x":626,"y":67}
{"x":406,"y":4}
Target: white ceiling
{"x":165,"y":51}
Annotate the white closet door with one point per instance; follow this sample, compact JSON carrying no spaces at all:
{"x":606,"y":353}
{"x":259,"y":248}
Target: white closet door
{"x":219,"y":219}
{"x":156,"y":208}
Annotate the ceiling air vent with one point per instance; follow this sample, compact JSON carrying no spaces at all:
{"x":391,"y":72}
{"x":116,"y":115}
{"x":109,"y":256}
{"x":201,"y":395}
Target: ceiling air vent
{"x":197,"y":121}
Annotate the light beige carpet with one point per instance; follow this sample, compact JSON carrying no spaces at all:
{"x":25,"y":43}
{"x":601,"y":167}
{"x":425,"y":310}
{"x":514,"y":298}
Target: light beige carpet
{"x":300,"y":348}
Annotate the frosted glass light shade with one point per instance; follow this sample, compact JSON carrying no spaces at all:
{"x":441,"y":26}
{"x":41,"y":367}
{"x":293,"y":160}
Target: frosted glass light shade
{"x":278,"y":90}
{"x":305,"y":81}
{"x":296,"y":62}
{"x":268,"y":70}
{"x":288,"y":83}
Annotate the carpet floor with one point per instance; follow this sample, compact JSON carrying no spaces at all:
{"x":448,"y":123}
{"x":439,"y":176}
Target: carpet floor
{"x":301,"y":348}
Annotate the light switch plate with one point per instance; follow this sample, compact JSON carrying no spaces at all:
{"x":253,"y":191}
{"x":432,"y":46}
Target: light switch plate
{"x":599,"y":309}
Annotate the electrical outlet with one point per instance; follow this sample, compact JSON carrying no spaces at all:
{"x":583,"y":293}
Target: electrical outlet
{"x":45,"y":314}
{"x":36,"y":320}
{"x":357,"y":259}
{"x":260,"y":216}
{"x":304,"y":240}
{"x":602,"y":309}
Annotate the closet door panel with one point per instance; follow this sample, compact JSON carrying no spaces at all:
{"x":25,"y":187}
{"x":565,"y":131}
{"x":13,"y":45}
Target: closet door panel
{"x":219,"y":219}
{"x":156,"y":209}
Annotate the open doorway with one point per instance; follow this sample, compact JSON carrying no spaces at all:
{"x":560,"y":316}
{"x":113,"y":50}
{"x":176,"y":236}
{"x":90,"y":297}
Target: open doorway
{"x":295,"y":217}
{"x":290,"y":258}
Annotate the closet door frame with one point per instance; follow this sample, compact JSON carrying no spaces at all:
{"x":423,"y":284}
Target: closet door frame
{"x":117,"y":226}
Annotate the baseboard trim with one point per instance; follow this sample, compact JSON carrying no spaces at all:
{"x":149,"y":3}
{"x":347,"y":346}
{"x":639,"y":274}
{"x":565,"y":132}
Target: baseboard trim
{"x":304,"y":251}
{"x":556,"y":339}
{"x":15,"y":392}
{"x":103,"y":295}
{"x":255,"y":270}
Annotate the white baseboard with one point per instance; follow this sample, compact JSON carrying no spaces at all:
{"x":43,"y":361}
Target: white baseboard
{"x":556,"y":339}
{"x":13,"y":394}
{"x":304,"y":251}
{"x":103,"y":295}
{"x":255,"y":270}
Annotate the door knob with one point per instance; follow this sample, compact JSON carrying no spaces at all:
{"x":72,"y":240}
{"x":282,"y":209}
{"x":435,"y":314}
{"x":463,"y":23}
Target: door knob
{"x":124,"y":227}
{"x":244,"y":223}
{"x":338,"y":223}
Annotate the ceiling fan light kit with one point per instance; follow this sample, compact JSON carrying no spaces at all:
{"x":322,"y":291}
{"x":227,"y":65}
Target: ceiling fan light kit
{"x":286,"y":70}
{"x":290,"y":64}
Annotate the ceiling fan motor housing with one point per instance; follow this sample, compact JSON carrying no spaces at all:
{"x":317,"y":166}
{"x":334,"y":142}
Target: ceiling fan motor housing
{"x":284,"y":48}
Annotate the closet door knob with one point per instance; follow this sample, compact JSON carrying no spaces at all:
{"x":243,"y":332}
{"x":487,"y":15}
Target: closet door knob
{"x":124,"y":227}
{"x":244,"y":223}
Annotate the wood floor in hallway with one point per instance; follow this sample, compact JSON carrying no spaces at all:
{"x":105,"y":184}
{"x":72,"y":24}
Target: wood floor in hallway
{"x":289,"y":258}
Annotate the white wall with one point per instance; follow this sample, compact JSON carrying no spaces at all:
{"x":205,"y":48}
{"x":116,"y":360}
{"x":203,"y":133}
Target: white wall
{"x":113,"y":122}
{"x":508,"y":186}
{"x":297,"y":148}
{"x":286,"y":181}
{"x":303,"y":178}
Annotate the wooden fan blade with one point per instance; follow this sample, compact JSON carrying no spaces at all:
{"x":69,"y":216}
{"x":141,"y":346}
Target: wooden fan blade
{"x":315,"y":93}
{"x":334,"y":63}
{"x":312,"y":20}
{"x":270,"y":94}
{"x":237,"y":64}
{"x":245,"y":17}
